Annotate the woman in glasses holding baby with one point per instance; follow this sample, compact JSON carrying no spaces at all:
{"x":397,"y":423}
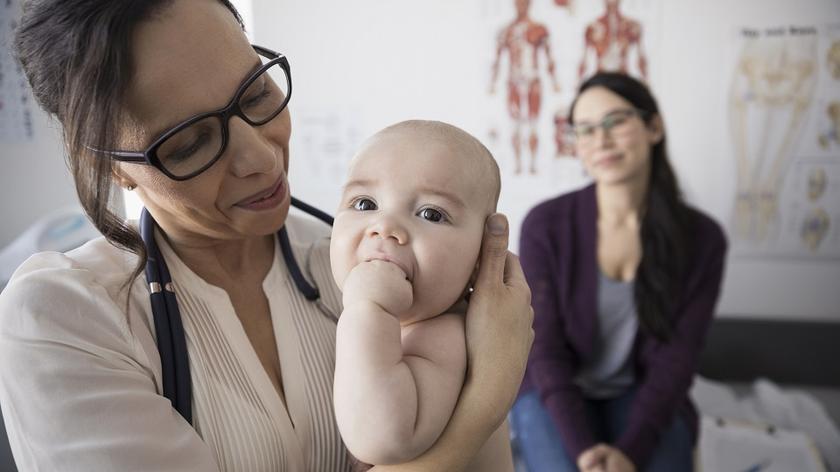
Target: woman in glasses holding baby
{"x":168,"y":99}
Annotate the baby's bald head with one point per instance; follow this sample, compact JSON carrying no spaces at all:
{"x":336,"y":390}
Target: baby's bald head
{"x":418,"y":192}
{"x":480,"y":165}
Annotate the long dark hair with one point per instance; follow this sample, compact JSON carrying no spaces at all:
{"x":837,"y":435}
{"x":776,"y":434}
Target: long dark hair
{"x":77,"y":56}
{"x":667,"y":220}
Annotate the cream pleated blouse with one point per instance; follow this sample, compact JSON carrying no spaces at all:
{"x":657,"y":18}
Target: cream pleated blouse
{"x":80,"y":380}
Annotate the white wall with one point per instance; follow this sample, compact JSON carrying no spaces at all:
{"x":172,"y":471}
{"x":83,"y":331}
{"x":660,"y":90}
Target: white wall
{"x":358,"y":66}
{"x":34,"y":178}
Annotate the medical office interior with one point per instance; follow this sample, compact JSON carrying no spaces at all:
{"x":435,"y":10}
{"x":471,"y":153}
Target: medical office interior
{"x":750,"y":94}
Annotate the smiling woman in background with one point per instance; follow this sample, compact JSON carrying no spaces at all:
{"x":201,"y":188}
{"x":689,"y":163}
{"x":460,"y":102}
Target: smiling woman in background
{"x":625,"y":277}
{"x":200,"y":120}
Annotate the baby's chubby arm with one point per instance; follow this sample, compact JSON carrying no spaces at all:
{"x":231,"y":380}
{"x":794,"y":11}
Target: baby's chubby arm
{"x":395,"y":389}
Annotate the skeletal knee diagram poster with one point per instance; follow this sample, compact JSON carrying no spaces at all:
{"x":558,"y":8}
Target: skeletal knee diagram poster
{"x":784,"y":124}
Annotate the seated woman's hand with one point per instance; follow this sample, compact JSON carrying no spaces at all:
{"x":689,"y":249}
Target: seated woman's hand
{"x":499,"y":318}
{"x":604,"y":458}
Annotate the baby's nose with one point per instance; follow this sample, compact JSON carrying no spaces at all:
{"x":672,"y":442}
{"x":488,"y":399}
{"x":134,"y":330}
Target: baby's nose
{"x":389,"y":228}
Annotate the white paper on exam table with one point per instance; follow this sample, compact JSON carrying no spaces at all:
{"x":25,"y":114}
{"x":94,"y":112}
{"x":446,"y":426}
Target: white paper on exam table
{"x":737,"y":446}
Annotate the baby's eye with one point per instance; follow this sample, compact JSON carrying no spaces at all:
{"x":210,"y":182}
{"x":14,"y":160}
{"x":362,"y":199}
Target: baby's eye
{"x":430,"y":214}
{"x":364,"y":204}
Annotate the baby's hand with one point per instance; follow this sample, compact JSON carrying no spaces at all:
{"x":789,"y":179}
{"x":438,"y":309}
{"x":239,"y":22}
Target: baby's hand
{"x":380,"y":282}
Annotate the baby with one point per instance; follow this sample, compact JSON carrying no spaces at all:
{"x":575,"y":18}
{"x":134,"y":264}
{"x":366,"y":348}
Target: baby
{"x":404,"y":251}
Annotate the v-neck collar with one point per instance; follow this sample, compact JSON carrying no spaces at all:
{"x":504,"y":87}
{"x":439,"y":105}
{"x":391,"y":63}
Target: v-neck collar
{"x":290,"y":416}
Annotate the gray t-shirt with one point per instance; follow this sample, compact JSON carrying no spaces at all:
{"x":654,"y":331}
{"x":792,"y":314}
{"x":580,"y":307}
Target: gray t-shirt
{"x":609,"y":372}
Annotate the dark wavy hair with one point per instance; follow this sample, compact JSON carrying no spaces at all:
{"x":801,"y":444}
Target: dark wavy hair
{"x":78,"y":58}
{"x":667,"y":221}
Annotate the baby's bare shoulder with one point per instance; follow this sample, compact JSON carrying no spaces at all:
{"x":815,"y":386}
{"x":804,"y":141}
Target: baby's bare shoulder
{"x":441,"y":337}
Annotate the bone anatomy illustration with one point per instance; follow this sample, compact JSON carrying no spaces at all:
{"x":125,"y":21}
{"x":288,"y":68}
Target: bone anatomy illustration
{"x":817,"y":181}
{"x":831,"y":136}
{"x":815,"y":226}
{"x":611,"y":38}
{"x":772,"y":88}
{"x":525,"y":41}
{"x":833,"y":59}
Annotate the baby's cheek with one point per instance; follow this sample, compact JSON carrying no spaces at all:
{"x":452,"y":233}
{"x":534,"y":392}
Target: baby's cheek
{"x":453,"y":272}
{"x":341,"y":261}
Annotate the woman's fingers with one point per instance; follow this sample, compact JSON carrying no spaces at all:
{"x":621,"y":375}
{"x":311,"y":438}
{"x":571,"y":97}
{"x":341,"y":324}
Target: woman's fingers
{"x":513,"y":270}
{"x":499,"y":267}
{"x":616,"y":461}
{"x":491,"y":267}
{"x":593,"y":458}
{"x":514,"y":278}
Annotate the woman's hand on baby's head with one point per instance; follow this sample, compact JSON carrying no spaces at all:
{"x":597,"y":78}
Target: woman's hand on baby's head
{"x":380,"y":282}
{"x":499,"y":318}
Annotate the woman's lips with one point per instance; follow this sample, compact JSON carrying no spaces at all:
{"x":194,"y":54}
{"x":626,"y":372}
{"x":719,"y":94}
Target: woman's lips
{"x":608,"y":160}
{"x":266,"y":199}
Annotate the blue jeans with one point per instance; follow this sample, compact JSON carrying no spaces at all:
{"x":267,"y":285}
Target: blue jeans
{"x":539,"y":447}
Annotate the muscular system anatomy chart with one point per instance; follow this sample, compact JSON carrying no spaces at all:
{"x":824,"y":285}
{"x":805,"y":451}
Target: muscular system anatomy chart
{"x":610,"y":39}
{"x":525,"y":41}
{"x":610,"y":42}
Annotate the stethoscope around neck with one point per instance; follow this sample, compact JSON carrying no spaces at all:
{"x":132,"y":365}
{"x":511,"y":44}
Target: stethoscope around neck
{"x":171,"y":339}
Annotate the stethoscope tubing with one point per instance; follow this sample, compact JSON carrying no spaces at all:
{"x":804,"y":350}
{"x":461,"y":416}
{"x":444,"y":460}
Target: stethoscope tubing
{"x":169,"y":329}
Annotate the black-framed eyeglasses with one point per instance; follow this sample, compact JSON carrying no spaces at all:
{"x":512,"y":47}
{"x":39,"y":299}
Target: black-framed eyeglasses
{"x":191,"y":147}
{"x":614,"y":122}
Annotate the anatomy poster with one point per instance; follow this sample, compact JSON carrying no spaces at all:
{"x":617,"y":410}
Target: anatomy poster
{"x":784,"y":115}
{"x":15,"y":100}
{"x":540,"y":52}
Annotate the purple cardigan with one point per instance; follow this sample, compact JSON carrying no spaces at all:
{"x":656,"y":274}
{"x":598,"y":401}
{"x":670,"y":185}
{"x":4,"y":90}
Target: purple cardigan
{"x":558,"y":255}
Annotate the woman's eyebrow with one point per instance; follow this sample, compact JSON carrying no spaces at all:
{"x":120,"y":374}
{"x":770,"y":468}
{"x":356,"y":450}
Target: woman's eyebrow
{"x":614,"y":110}
{"x":164,"y":128}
